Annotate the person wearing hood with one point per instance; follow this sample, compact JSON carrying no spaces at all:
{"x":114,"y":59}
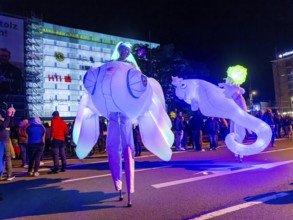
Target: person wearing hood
{"x":36,"y":143}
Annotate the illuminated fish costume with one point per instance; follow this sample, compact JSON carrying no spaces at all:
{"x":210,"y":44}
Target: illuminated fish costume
{"x":118,"y":91}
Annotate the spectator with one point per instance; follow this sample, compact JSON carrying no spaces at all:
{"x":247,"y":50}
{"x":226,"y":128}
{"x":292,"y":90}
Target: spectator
{"x":58,"y":131}
{"x":68,"y":137}
{"x":196,"y":127}
{"x":178,"y":126}
{"x":288,"y":125}
{"x":14,"y":141}
{"x":212,"y":126}
{"x":5,"y":150}
{"x":48,"y":137}
{"x":36,"y":144}
{"x":185,"y":130}
{"x":16,"y":148}
{"x":137,"y":141}
{"x":260,"y":114}
{"x":22,"y":141}
{"x":103,"y":135}
{"x":268,"y":117}
{"x":223,"y":128}
{"x":277,"y":122}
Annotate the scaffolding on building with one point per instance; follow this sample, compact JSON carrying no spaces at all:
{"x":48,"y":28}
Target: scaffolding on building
{"x":34,"y":66}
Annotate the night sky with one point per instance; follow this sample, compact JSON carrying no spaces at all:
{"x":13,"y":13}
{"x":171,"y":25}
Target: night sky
{"x":220,"y":33}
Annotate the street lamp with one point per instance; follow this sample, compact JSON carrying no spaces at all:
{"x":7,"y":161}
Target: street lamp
{"x":251,"y":99}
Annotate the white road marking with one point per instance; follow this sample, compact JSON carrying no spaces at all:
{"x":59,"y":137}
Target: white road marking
{"x":240,"y":206}
{"x":270,"y":151}
{"x":109,"y":174}
{"x":193,"y":179}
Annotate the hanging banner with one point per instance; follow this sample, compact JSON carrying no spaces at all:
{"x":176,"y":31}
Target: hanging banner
{"x":11,"y":55}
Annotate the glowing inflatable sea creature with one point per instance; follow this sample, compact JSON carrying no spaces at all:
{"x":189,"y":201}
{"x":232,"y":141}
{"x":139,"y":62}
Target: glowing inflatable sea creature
{"x":215,"y":101}
{"x":118,"y":87}
{"x":236,"y":75}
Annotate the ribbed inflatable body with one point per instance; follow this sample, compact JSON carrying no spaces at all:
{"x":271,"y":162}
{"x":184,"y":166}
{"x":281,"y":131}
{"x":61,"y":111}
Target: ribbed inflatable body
{"x":118,"y":87}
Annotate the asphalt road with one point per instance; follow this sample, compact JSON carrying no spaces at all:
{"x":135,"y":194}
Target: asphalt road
{"x":192,"y":185}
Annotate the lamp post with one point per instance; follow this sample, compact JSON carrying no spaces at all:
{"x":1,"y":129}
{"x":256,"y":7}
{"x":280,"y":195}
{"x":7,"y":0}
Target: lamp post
{"x":252,"y":93}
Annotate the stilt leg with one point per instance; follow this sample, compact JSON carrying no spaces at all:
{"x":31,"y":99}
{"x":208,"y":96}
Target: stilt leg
{"x":120,"y":195}
{"x":129,"y":204}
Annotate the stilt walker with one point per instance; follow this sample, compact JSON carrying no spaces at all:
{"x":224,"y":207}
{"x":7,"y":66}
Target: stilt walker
{"x":118,"y":91}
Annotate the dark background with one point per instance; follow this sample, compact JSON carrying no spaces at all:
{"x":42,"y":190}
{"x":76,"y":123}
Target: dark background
{"x":220,"y":33}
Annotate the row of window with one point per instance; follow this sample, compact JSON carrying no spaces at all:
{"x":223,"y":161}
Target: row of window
{"x":50,"y":42}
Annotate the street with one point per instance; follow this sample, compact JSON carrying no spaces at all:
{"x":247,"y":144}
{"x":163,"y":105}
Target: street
{"x":192,"y":185}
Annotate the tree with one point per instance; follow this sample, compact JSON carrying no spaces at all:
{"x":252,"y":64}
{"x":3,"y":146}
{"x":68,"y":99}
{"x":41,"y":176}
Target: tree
{"x":162,"y":63}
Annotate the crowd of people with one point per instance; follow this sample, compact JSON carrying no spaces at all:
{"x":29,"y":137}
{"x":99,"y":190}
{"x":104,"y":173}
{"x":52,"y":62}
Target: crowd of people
{"x":28,"y":141}
{"x":193,"y":130}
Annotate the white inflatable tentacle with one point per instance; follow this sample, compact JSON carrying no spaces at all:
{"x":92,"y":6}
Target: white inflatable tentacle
{"x":263,"y":132}
{"x":158,"y":96}
{"x":155,"y":130}
{"x":157,"y":89}
{"x":241,"y":131}
{"x":209,"y":102}
{"x":86,"y":127}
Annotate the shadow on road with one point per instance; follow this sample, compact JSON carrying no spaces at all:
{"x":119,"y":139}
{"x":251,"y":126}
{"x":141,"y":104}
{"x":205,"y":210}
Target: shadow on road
{"x":274,"y":198}
{"x":45,"y":196}
{"x":196,"y":165}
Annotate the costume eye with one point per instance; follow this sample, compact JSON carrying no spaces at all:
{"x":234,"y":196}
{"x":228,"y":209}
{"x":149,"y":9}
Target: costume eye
{"x":183,"y":86}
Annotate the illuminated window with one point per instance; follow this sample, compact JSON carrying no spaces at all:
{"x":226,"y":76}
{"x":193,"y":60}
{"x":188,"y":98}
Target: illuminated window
{"x":85,"y":67}
{"x":48,"y":41}
{"x":73,"y":45}
{"x":98,"y":49}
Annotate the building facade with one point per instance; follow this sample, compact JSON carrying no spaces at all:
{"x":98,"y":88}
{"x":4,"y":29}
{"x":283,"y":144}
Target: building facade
{"x":283,"y":82}
{"x":55,"y":59}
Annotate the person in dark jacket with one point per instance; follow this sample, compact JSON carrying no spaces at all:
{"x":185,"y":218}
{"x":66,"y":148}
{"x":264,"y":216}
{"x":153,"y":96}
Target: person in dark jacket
{"x":196,"y":127}
{"x":212,"y":126}
{"x":178,"y":126}
{"x":5,"y":152}
{"x":185,"y":130}
{"x":36,"y":144}
{"x":268,"y":117}
{"x":137,"y":141}
{"x":22,"y":141}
